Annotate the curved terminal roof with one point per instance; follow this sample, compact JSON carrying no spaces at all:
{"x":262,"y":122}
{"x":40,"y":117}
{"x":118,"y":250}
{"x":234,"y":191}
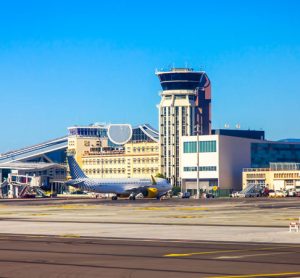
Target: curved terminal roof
{"x":33,"y":166}
{"x":150,"y":132}
{"x":33,"y":151}
{"x":54,"y":150}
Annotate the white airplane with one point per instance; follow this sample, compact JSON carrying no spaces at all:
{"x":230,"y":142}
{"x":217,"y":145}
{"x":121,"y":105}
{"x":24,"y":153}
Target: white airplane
{"x":126,"y":186}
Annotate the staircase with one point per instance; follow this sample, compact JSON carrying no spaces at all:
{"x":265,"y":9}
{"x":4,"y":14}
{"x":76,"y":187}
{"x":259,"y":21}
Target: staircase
{"x":4,"y":189}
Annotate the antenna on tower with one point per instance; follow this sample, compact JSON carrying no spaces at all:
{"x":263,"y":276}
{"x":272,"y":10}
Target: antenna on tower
{"x":237,"y":126}
{"x":226,"y":125}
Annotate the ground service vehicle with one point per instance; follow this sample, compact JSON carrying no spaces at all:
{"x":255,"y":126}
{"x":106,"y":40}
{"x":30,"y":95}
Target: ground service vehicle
{"x":186,"y":195}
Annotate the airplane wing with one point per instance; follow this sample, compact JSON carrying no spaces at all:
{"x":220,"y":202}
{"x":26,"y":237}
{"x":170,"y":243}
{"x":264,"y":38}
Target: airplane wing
{"x":148,"y":189}
{"x":73,"y":182}
{"x":135,"y":189}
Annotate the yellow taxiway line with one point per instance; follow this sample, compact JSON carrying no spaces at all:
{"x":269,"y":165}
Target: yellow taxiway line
{"x":200,"y":253}
{"x":258,"y":275}
{"x":227,"y":251}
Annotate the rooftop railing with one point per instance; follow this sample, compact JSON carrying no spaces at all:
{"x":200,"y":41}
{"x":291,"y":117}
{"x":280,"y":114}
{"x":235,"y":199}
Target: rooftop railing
{"x":256,"y":169}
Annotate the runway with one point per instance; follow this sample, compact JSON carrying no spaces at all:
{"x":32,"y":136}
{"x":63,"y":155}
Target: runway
{"x":42,"y":256}
{"x":148,"y":238}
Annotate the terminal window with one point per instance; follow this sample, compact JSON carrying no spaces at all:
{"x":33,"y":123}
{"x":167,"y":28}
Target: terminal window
{"x":203,"y":147}
{"x":201,"y":168}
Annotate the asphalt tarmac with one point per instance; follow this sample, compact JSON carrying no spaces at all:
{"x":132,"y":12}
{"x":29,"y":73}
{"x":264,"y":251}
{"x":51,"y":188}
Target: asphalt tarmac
{"x":262,"y":202}
{"x":42,"y":256}
{"x":149,"y":238}
{"x":172,"y":201}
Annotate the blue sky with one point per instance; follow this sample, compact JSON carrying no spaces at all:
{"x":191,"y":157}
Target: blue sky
{"x":78,"y":62}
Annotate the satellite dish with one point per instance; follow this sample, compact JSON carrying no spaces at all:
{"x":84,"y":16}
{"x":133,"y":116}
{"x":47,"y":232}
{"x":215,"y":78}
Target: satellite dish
{"x":119,"y":134}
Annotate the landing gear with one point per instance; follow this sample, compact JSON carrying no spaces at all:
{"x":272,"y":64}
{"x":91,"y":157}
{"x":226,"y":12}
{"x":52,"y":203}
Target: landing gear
{"x":114,"y":198}
{"x":132,"y":197}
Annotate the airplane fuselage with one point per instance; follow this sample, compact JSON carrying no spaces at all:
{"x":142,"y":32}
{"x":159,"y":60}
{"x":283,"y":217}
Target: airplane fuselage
{"x":119,"y":186}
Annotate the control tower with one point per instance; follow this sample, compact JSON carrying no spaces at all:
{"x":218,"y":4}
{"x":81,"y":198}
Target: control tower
{"x":185,"y":107}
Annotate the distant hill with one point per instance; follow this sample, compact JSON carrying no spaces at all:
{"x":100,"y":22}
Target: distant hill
{"x":290,"y":140}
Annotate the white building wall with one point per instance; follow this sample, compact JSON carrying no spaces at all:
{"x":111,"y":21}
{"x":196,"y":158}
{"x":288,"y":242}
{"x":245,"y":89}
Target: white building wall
{"x":231,"y":156}
{"x":189,"y":178}
{"x":205,"y":159}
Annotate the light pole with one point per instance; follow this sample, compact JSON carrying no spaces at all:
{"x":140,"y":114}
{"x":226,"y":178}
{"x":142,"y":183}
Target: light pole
{"x":197,"y":127}
{"x":197,"y":152}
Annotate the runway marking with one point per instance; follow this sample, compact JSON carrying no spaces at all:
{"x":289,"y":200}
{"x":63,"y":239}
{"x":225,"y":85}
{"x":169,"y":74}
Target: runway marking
{"x":258,"y":275}
{"x":153,"y":208}
{"x":183,"y":216}
{"x":252,"y":255}
{"x":192,"y":208}
{"x":288,"y":219}
{"x":226,"y":251}
{"x":38,"y":236}
{"x":200,"y":253}
{"x":70,"y":236}
{"x":34,"y":220}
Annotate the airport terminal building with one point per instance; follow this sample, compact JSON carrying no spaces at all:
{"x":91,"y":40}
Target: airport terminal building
{"x":103,"y":151}
{"x":225,"y":155}
{"x":221,"y":159}
{"x":46,"y":160}
{"x":119,"y":150}
{"x":278,"y":176}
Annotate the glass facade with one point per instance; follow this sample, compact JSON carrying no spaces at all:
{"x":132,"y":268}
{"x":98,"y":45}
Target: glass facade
{"x":204,"y":147}
{"x":58,"y":156}
{"x":181,"y":80}
{"x":88,"y":131}
{"x":284,"y":166}
{"x":180,"y":85}
{"x":262,"y":154}
{"x":180,"y":76}
{"x":139,"y":136}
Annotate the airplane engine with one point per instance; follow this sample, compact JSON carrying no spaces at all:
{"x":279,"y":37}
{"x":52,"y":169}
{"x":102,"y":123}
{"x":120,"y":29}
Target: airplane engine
{"x":150,"y":192}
